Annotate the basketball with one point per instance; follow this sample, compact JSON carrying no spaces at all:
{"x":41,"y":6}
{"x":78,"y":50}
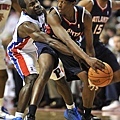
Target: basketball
{"x":101,"y":78}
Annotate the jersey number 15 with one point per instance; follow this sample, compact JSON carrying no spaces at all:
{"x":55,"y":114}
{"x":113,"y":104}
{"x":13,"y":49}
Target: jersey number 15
{"x":98,"y":29}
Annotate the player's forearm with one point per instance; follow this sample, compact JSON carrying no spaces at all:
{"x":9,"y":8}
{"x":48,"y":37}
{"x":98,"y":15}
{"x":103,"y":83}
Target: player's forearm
{"x":64,"y":36}
{"x":59,"y":46}
{"x":90,"y":51}
{"x":89,"y":45}
{"x":77,"y":50}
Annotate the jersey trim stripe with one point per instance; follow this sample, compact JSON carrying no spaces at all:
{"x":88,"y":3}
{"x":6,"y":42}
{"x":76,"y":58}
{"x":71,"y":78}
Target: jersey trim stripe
{"x":22,"y":64}
{"x":92,"y":2}
{"x":100,"y":6}
{"x":83,"y":14}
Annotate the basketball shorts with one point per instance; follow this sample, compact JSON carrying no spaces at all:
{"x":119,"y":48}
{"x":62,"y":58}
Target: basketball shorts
{"x":45,"y":48}
{"x":2,"y":58}
{"x":25,"y":63}
{"x":104,"y":54}
{"x":58,"y":72}
{"x":71,"y":67}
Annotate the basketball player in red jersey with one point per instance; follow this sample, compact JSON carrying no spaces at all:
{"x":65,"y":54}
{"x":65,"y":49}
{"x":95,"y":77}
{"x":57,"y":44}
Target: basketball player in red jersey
{"x":77,"y":23}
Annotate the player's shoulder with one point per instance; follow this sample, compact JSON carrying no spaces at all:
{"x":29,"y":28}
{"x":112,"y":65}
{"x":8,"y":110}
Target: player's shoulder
{"x":88,"y":4}
{"x":53,"y":16}
{"x":52,"y":10}
{"x":85,"y":2}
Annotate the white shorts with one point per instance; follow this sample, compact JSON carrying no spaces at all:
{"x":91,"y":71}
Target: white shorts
{"x":25,"y":63}
{"x":2,"y":58}
{"x":57,"y":73}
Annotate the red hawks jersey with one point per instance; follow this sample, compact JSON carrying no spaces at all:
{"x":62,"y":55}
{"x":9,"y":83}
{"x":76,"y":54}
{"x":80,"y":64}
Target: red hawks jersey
{"x":74,"y":29}
{"x":99,"y":17}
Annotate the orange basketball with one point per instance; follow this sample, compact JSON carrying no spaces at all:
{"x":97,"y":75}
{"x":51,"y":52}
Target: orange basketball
{"x":101,"y":78}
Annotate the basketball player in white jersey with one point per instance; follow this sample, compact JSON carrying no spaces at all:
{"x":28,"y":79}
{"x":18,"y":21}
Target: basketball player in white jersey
{"x":5,"y":7}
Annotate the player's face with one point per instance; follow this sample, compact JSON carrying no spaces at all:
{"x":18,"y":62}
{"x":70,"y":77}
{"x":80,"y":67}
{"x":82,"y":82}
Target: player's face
{"x":33,"y":7}
{"x":64,"y":6}
{"x":116,"y":40}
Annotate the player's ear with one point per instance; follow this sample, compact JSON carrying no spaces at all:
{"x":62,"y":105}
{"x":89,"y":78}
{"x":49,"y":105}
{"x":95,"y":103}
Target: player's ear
{"x":23,"y":9}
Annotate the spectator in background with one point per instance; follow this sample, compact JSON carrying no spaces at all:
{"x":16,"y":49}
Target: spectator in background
{"x":110,"y":31}
{"x":116,"y":40}
{"x":5,"y":7}
{"x":115,"y":105}
{"x":47,"y":4}
{"x":112,"y":100}
{"x":6,"y":37}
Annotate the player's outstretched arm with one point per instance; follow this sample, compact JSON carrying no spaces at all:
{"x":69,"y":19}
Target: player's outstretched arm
{"x":59,"y":46}
{"x":32,"y":30}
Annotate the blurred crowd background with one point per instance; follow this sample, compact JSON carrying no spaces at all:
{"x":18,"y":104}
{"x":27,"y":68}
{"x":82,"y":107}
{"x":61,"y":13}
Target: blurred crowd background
{"x":107,"y":98}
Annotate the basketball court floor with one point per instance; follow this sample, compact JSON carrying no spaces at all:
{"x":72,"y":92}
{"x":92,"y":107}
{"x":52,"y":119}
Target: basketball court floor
{"x":57,"y":114}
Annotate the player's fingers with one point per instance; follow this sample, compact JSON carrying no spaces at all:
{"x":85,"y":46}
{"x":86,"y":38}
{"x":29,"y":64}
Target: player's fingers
{"x":94,"y":67}
{"x":100,"y":64}
{"x":89,"y":86}
{"x":96,"y":88}
{"x":92,"y":87}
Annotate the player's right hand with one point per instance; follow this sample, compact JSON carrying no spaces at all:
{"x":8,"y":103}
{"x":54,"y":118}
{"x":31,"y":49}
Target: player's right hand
{"x":95,"y":63}
{"x":92,"y":86}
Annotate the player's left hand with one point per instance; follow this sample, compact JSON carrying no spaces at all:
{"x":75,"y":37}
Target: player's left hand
{"x":92,"y":86}
{"x":95,"y":63}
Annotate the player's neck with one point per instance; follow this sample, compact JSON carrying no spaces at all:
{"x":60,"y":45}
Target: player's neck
{"x":70,"y":16}
{"x":102,"y":3}
{"x":32,"y":16}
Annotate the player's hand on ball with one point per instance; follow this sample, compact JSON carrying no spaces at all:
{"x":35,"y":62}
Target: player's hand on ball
{"x":92,"y":86}
{"x":96,"y":64}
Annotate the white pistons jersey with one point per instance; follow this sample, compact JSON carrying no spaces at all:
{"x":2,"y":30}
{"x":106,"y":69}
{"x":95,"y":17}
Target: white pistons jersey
{"x":24,"y":44}
{"x":22,"y":51}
